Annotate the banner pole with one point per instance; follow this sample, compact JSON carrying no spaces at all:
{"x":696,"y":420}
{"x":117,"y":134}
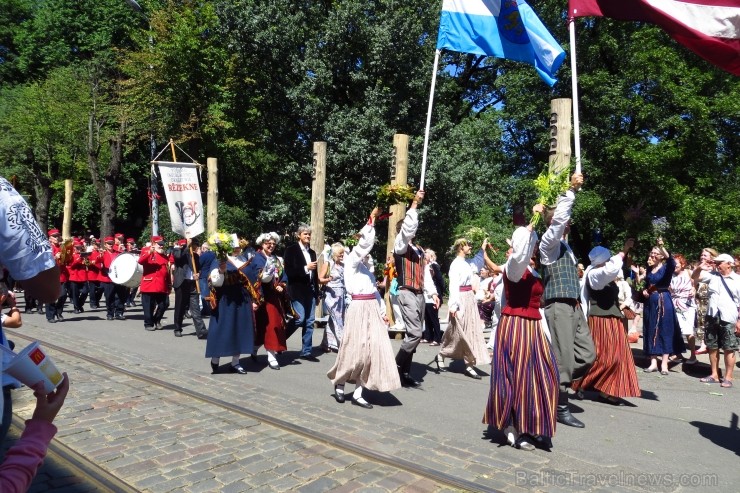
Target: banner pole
{"x":429,"y":122}
{"x":574,"y":79}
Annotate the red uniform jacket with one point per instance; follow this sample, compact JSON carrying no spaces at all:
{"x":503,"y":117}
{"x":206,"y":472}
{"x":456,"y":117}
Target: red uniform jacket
{"x":156,"y":275}
{"x":77,"y":271}
{"x":108,"y":258}
{"x":94,"y":264}
{"x":63,"y":272}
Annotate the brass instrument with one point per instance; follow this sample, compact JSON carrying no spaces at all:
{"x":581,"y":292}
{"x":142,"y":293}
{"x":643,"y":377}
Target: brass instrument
{"x":66,"y":251}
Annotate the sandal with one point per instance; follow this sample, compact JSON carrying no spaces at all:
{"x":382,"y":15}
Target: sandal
{"x":708,"y":380}
{"x":726,"y":384}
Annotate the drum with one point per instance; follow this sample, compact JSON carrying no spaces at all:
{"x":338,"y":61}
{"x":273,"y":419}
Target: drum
{"x":126,"y":270}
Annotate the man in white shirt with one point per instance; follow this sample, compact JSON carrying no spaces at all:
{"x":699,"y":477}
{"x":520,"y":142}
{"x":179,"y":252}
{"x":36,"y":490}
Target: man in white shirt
{"x":722,"y":324}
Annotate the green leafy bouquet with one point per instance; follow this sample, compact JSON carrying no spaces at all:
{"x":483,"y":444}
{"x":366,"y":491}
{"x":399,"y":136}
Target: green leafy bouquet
{"x":390,"y":194}
{"x":549,"y":187}
{"x":220,"y":242}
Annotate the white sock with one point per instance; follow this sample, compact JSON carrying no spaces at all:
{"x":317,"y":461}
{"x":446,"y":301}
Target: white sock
{"x":215,"y":360}
{"x":271,"y":357}
{"x":235,"y":360}
{"x":339,"y":389}
{"x":357,"y":394}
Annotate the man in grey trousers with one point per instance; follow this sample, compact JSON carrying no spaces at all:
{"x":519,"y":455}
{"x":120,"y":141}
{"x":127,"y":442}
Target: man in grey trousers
{"x":571,"y":337}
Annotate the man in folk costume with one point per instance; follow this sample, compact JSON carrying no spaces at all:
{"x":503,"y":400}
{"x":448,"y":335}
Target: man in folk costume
{"x":410,"y":264}
{"x":571,"y":337}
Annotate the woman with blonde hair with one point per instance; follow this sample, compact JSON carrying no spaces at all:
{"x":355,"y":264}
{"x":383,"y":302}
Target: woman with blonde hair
{"x":463,"y":338}
{"x":332,"y":277}
{"x":702,"y":300}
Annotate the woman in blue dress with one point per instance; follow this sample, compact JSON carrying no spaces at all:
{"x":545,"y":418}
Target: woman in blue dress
{"x":231,"y":327}
{"x":661,"y":332}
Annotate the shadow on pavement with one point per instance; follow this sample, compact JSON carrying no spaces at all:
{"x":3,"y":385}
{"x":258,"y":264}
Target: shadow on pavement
{"x":727,"y":438}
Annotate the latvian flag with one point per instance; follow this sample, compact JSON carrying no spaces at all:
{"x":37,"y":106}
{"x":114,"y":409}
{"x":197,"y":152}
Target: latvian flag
{"x":709,"y":28}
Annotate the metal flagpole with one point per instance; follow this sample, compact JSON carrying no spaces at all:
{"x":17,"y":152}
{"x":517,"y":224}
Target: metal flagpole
{"x":429,"y":122}
{"x":574,"y":78}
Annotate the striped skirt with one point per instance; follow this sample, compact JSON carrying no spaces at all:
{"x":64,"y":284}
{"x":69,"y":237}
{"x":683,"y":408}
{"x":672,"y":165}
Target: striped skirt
{"x":524,"y":379}
{"x":613,"y":372}
{"x":463,"y":338}
{"x":365,"y":356}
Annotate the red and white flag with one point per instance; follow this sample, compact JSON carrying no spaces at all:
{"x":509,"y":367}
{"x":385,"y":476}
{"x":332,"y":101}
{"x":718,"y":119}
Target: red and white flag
{"x":709,"y":28}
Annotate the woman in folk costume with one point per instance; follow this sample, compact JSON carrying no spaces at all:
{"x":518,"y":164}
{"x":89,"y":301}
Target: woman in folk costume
{"x":463,"y":338}
{"x":365,"y":357}
{"x":613,"y":372}
{"x":231,"y":327}
{"x":268,"y":277}
{"x":524,"y":376}
{"x":332,"y":276}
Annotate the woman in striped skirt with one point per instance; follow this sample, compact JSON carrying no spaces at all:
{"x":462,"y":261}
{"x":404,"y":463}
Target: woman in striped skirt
{"x":613,"y":372}
{"x":365,"y":356}
{"x":463,"y":338}
{"x":524,"y":377}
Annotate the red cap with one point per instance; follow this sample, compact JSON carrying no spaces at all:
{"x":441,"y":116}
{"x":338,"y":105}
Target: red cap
{"x":156,"y":239}
{"x":130,"y":240}
{"x":108,"y":238}
{"x":53,"y":232}
{"x":182,"y":242}
{"x":78,"y":243}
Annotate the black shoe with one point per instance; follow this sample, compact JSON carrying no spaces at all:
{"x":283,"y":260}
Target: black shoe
{"x":566,"y":418}
{"x":308,"y":357}
{"x":253,"y":356}
{"x":339,"y":396}
{"x":76,"y":311}
{"x":59,"y":316}
{"x":237,"y":369}
{"x":364,"y":404}
{"x":178,"y":333}
{"x":214,"y":368}
{"x":203,"y":335}
{"x":470,"y":371}
{"x":274,"y":366}
{"x":120,"y":317}
{"x":109,"y":317}
{"x":407,"y":381}
{"x":613,"y":401}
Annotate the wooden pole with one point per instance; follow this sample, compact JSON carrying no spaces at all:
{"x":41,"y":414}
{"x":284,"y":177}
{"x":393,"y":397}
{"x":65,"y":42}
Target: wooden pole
{"x":399,"y":176}
{"x":318,"y":196}
{"x":560,"y":128}
{"x":212,"y":196}
{"x":67,"y":218}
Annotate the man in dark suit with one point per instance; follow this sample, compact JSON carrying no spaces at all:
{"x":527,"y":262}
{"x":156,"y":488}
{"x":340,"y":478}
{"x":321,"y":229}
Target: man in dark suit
{"x":303,"y":288}
{"x":186,"y":291}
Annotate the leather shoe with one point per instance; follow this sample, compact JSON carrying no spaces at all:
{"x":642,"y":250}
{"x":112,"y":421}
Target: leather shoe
{"x":178,"y":333}
{"x":120,"y":317}
{"x":364,"y":404}
{"x":308,"y":357}
{"x":214,"y":367}
{"x":339,"y":396}
{"x":407,"y":381}
{"x":566,"y":418}
{"x":237,"y":369}
{"x":273,"y":366}
{"x":203,"y":335}
{"x":470,"y":371}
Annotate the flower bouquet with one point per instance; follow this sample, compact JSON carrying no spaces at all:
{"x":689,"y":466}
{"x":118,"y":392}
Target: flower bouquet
{"x":549,"y":187}
{"x":391,"y":194}
{"x":221,"y":243}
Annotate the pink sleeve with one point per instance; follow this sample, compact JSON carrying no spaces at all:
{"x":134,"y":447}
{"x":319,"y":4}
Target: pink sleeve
{"x":24,"y":458}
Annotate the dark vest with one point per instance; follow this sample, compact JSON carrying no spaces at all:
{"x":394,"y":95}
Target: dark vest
{"x":561,"y":277}
{"x":604,"y":302}
{"x":410,"y":269}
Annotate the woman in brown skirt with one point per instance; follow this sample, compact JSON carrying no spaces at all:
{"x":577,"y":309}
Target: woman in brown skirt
{"x":524,"y":377}
{"x":613,"y":372}
{"x":463,"y":338}
{"x":365,"y":357}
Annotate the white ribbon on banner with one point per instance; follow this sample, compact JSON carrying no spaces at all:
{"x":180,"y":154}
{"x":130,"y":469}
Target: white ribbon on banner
{"x":182,"y":190}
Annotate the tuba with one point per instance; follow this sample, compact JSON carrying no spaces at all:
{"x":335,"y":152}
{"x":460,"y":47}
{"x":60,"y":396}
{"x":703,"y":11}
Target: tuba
{"x":66,"y":251}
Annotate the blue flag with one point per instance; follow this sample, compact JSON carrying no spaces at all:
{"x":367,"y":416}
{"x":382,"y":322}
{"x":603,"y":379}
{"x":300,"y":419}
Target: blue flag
{"x":501,"y":28}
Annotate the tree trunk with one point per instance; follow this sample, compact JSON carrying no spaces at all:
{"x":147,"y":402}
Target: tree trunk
{"x":42,"y":188}
{"x":109,"y":203}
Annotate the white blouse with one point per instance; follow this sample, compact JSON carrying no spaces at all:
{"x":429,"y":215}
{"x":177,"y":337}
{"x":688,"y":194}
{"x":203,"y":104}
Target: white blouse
{"x":357,"y":278}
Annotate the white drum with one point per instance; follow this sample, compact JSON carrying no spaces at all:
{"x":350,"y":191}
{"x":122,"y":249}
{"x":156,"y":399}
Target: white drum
{"x":126,"y":270}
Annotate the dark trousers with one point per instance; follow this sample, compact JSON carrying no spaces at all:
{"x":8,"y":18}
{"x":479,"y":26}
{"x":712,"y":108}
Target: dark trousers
{"x":55,"y":309}
{"x":115,"y":297}
{"x":95,"y":292}
{"x":186,"y":297}
{"x":154,"y":306}
{"x":78,"y":291}
{"x":432,"y":329}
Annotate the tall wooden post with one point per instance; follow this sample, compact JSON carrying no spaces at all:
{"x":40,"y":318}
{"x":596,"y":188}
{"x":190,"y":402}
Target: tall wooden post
{"x":399,"y":176}
{"x":318,"y":196}
{"x":212,"y":196}
{"x":67,"y":218}
{"x":560,"y":129}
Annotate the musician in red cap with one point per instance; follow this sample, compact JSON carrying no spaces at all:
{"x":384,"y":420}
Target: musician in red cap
{"x":115,"y":294}
{"x":78,"y":277}
{"x":54,"y":310}
{"x":155,"y":283}
{"x":94,"y":265}
{"x":133,"y":250}
{"x":119,"y":242}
